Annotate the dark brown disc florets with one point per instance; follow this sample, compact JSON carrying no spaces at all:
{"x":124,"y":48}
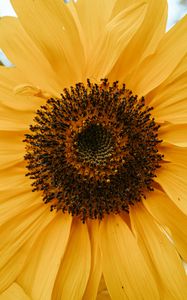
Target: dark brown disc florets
{"x":93,"y":151}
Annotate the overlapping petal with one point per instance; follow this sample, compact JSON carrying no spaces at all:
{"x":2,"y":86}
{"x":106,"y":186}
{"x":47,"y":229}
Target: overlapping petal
{"x":166,"y":213}
{"x":74,"y":271}
{"x":161,"y":252}
{"x":123,"y":264}
{"x":45,"y":258}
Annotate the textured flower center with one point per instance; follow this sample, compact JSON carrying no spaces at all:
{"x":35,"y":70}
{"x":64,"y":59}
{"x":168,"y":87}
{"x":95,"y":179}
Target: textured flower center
{"x":94,"y":144}
{"x":93,"y":151}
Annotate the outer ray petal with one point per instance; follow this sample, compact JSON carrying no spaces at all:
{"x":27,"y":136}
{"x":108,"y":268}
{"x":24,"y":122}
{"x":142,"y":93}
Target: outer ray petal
{"x":17,"y":237}
{"x":123,"y":265}
{"x":45,"y":259}
{"x":74,"y":271}
{"x":179,"y":72}
{"x":163,"y":210}
{"x":15,"y":291}
{"x":24,"y":54}
{"x":95,"y":271}
{"x":161,"y":252}
{"x":174,"y":134}
{"x":60,"y":43}
{"x":14,"y":178}
{"x":145,"y":40}
{"x":172,"y":102}
{"x":9,"y":97}
{"x":10,"y":119}
{"x":174,"y":154}
{"x":118,"y":32}
{"x":16,"y":202}
{"x":100,"y":12}
{"x":11,"y":148}
{"x":172,"y":178}
{"x":158,"y":67}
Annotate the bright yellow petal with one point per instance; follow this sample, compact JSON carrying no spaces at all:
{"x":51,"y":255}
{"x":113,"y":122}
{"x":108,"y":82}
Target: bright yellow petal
{"x":15,"y":202}
{"x":10,"y":119}
{"x":25,"y":56}
{"x":17,"y":237}
{"x":75,"y":268}
{"x":172,"y":103}
{"x":174,"y":154}
{"x":12,"y":148}
{"x":172,"y":178}
{"x":161,"y":252}
{"x":118,"y":32}
{"x":163,"y":210}
{"x":100,"y":12}
{"x":174,"y":134}
{"x":145,"y":39}
{"x":169,"y":99}
{"x":59,"y":41}
{"x":95,"y":271}
{"x":158,"y":67}
{"x":14,"y":292}
{"x":45,"y":258}
{"x":10,"y":79}
{"x":125,"y":271}
{"x":14,"y":178}
{"x":155,"y":97}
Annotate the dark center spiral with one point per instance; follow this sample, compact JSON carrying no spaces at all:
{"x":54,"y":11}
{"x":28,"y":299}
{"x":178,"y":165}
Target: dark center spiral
{"x":94,"y":144}
{"x":93,"y":151}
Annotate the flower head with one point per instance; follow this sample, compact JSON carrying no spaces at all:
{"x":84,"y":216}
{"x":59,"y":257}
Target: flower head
{"x":93,"y":151}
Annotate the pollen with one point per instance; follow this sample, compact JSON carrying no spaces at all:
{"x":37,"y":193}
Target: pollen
{"x":93,"y":151}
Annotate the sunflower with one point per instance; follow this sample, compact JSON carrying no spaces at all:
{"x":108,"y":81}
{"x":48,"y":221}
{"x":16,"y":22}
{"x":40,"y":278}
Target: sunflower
{"x":94,"y":159}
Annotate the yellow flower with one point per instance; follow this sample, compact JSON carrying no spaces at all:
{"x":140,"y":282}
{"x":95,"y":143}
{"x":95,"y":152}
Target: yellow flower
{"x":105,"y":217}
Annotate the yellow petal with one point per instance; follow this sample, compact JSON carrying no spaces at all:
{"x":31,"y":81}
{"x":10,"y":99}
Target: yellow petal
{"x":13,"y":267}
{"x":17,"y":236}
{"x":14,"y":202}
{"x":11,"y":148}
{"x":118,"y":32}
{"x":100,"y":12}
{"x":163,"y":210}
{"x":44,"y":262}
{"x":145,"y":39}
{"x":25,"y":56}
{"x":75,"y":268}
{"x":95,"y":271}
{"x":10,"y":119}
{"x":174,"y":154}
{"x":17,"y":111}
{"x":174,"y":134}
{"x":158,"y":67}
{"x":161,"y":252}
{"x":18,"y":230}
{"x":125,"y":271}
{"x":14,"y":178}
{"x":172,"y":178}
{"x":59,"y":41}
{"x":154,"y":98}
{"x":172,"y":103}
{"x":15,"y":291}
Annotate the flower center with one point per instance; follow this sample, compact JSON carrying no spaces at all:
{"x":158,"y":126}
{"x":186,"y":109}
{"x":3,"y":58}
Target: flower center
{"x":94,"y":144}
{"x":93,"y":151}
